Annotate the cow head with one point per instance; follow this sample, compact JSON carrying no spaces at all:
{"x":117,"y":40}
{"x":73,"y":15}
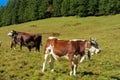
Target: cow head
{"x":94,"y":47}
{"x":12,"y":33}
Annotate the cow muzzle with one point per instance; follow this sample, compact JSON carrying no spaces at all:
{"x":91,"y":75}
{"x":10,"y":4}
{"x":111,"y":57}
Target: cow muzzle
{"x":10,"y":34}
{"x":97,"y":51}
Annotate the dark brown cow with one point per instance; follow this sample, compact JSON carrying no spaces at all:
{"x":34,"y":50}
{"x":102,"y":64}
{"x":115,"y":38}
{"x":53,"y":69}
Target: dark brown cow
{"x":25,"y":39}
{"x":74,"y":50}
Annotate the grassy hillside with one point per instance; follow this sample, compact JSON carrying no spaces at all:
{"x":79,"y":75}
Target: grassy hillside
{"x":22,"y":65}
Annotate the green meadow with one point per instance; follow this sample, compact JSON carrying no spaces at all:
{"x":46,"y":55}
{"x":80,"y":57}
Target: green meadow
{"x":25,"y":65}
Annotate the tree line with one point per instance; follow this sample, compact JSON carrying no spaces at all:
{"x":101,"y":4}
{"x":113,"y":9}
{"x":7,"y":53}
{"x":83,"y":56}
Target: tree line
{"x":19,"y":11}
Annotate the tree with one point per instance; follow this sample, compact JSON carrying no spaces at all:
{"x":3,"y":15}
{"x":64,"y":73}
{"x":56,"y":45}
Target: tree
{"x":93,"y":7}
{"x":57,"y":7}
{"x":83,"y":8}
{"x":118,"y":6}
{"x":38,"y":4}
{"x":1,"y":13}
{"x":21,"y":10}
{"x":14,"y":12}
{"x":42,"y":9}
{"x":73,"y":7}
{"x":65,"y":7}
{"x":102,"y":7}
{"x":30,"y":9}
{"x":111,"y":7}
{"x":7,"y":14}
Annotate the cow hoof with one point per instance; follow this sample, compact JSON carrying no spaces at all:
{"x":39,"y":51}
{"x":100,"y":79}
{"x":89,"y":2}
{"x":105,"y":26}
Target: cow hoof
{"x":52,"y":70}
{"x":71,"y":73}
{"x":43,"y":70}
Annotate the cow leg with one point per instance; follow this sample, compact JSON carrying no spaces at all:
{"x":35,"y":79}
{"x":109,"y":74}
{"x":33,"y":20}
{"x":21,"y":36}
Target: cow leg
{"x":86,"y":54}
{"x":13,"y":44}
{"x":21,"y":42}
{"x":71,"y":64}
{"x":75,"y":63}
{"x":83,"y":57}
{"x":74,"y":68}
{"x":44,"y":62}
{"x":29,"y":47}
{"x":51,"y":62}
{"x":20,"y":46}
{"x":38,"y":48}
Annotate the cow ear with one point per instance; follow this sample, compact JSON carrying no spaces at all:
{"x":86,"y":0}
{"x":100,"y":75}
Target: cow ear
{"x":91,"y":38}
{"x":95,"y":39}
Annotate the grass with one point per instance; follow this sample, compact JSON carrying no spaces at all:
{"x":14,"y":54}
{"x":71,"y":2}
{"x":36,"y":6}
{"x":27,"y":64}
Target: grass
{"x":22,"y":65}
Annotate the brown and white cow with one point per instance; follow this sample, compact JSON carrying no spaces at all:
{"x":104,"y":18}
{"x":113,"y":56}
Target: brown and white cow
{"x":25,"y":39}
{"x":74,"y":50}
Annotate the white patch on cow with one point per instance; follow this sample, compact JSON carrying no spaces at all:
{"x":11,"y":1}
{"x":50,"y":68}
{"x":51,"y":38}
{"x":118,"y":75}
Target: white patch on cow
{"x":10,"y":34}
{"x":51,"y":37}
{"x":74,"y":40}
{"x":49,"y":50}
{"x":77,"y":40}
{"x":56,"y":57}
{"x":44,"y":63}
{"x":97,"y":51}
{"x":83,"y":57}
{"x":94,"y":50}
{"x":53,"y":54}
{"x":74,"y":69}
{"x":71,"y":73}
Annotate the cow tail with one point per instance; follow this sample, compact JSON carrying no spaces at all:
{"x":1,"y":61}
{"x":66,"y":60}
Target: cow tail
{"x":41,"y":41}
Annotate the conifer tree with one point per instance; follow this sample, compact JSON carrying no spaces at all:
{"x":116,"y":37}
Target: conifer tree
{"x":118,"y":6}
{"x":111,"y":7}
{"x":93,"y":7}
{"x":30,"y":9}
{"x":57,"y":7}
{"x":21,"y":10}
{"x":83,"y":8}
{"x":102,"y":7}
{"x":7,"y":14}
{"x":73,"y":7}
{"x":42,"y":9}
{"x":65,"y":7}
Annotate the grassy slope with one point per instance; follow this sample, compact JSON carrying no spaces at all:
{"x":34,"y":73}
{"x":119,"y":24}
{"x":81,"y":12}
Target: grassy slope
{"x":22,"y":65}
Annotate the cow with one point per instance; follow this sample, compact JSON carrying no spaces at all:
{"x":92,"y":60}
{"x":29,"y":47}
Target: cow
{"x":25,"y":39}
{"x":73,"y":50}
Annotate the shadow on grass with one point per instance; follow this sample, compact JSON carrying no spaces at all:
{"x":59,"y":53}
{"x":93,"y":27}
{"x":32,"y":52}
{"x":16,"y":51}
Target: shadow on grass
{"x":87,"y":73}
{"x":91,"y":74}
{"x":82,"y":73}
{"x":115,"y":78}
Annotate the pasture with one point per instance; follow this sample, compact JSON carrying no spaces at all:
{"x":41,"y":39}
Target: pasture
{"x":22,"y":65}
